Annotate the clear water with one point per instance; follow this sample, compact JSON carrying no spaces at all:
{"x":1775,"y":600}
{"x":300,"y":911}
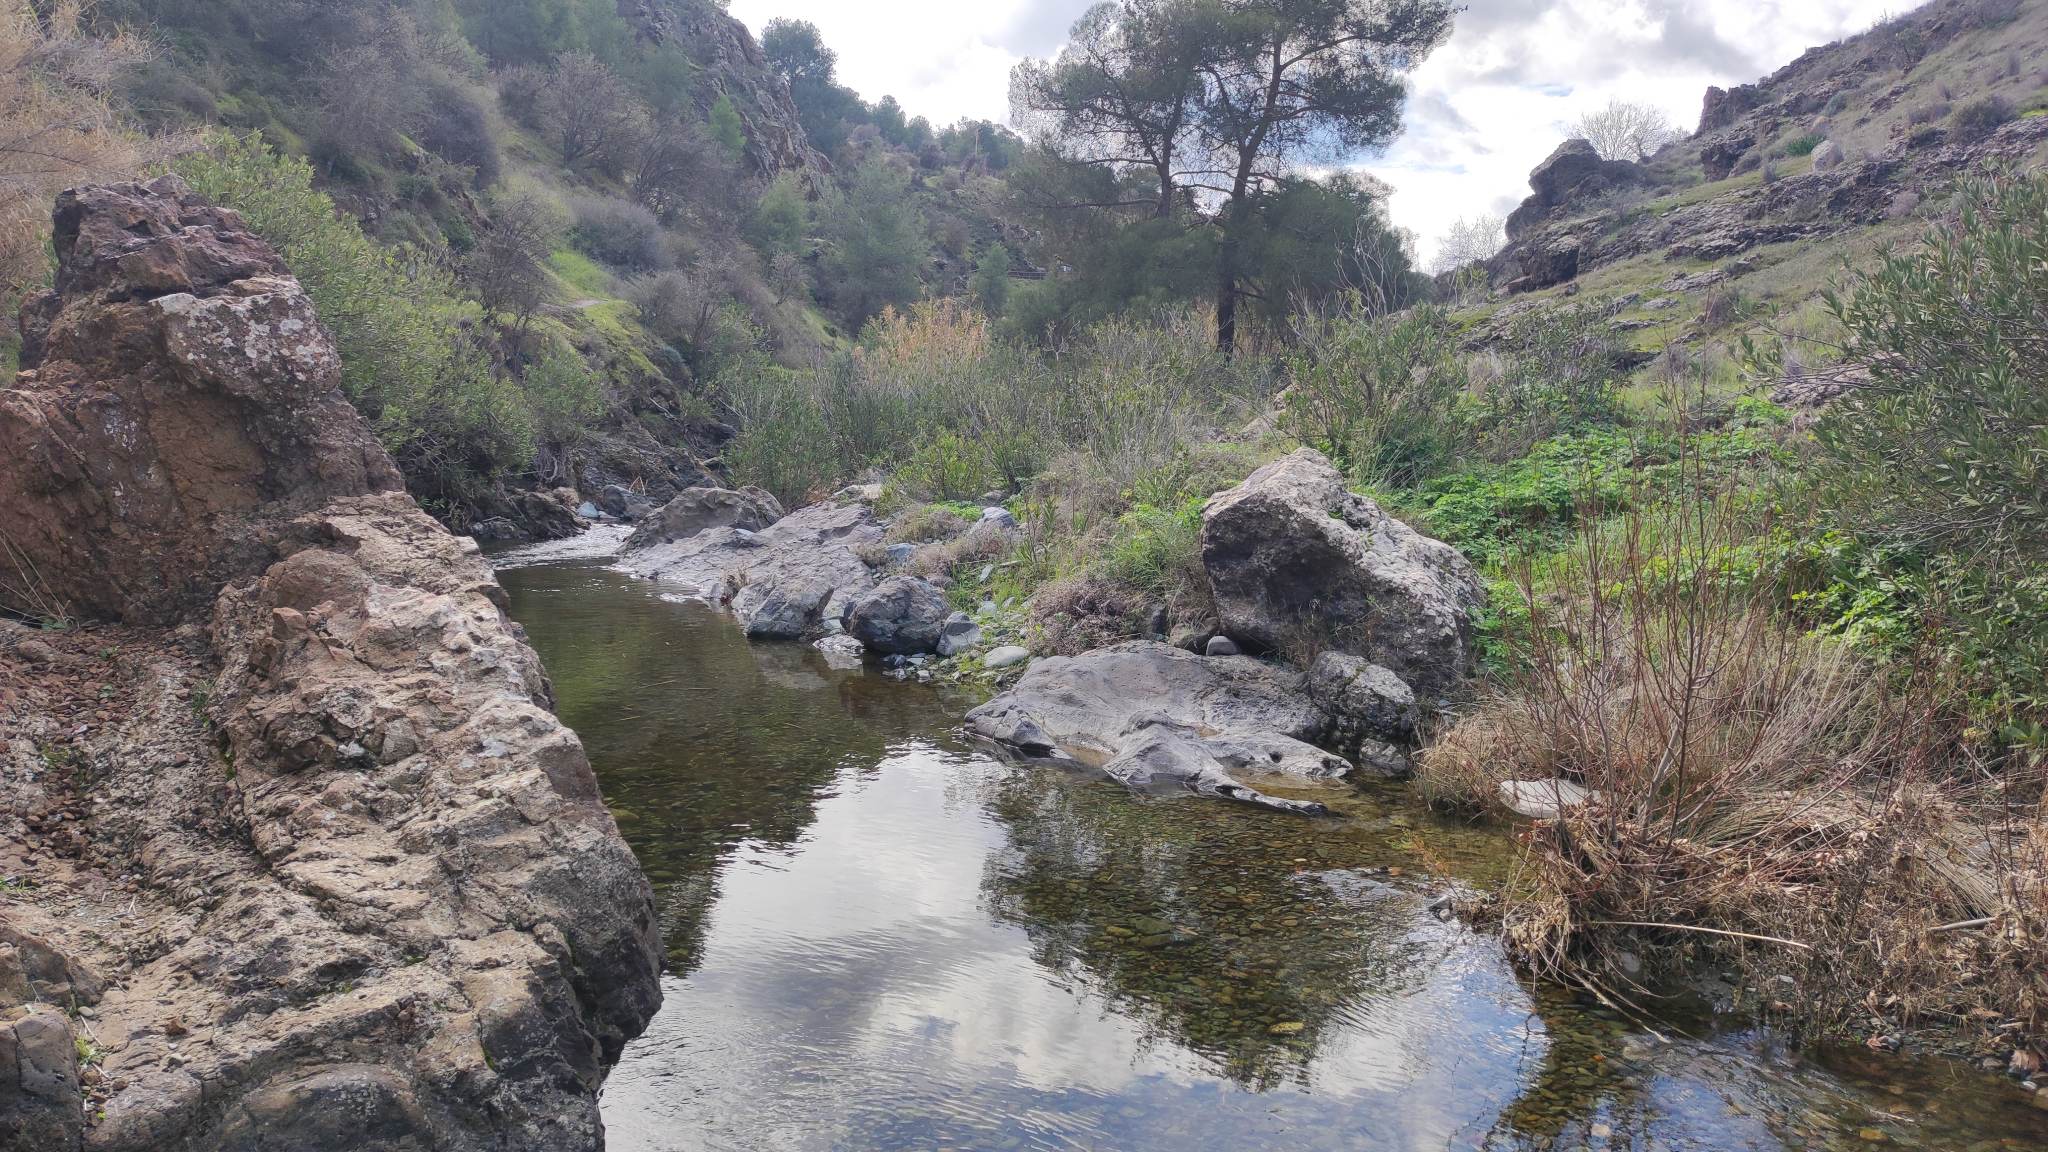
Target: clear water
{"x":880,"y":937}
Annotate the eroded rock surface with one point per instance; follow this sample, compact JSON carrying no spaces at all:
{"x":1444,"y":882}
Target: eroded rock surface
{"x":777,"y":581}
{"x":317,"y":867}
{"x":1159,"y":719}
{"x":696,"y":509}
{"x":185,"y":392}
{"x":1292,"y":553}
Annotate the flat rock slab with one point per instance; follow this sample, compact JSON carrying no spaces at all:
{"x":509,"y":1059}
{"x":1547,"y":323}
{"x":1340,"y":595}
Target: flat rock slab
{"x":1159,"y":719}
{"x":778,"y":580}
{"x":1544,"y":799}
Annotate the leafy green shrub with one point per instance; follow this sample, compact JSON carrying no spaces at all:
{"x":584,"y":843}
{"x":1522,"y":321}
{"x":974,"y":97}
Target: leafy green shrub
{"x":946,"y":467}
{"x":781,"y":218}
{"x":409,"y":358}
{"x":1492,"y":509}
{"x":785,"y":444}
{"x":1561,"y":372}
{"x":1378,"y":394}
{"x":1158,"y":551}
{"x":1803,"y":144}
{"x":1937,"y":452}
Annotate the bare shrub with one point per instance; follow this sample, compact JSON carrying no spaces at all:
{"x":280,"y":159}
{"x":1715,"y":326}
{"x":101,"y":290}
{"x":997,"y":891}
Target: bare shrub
{"x":1626,"y":131}
{"x":926,"y":523}
{"x":1979,"y":118}
{"x":1721,"y":307}
{"x":590,"y":113}
{"x":508,"y":269}
{"x":620,"y":233}
{"x":1927,"y":113}
{"x":1078,"y":613}
{"x":964,"y":550}
{"x":57,"y":127}
{"x":1757,"y":792}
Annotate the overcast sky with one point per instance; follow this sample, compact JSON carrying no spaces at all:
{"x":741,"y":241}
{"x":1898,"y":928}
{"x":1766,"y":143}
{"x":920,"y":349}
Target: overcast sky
{"x":1482,"y":112}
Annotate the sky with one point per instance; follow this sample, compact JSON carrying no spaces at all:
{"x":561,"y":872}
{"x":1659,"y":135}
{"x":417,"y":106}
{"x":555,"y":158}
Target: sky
{"x":1483,"y":111}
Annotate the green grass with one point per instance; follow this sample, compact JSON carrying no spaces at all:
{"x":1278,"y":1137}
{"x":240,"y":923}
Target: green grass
{"x":1701,"y":193}
{"x":582,"y":273}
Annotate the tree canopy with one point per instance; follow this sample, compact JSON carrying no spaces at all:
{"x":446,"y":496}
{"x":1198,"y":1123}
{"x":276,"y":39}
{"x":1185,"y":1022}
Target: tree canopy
{"x":1218,"y":104}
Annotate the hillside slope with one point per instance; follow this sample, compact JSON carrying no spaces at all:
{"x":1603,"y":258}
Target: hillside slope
{"x":1855,"y":146}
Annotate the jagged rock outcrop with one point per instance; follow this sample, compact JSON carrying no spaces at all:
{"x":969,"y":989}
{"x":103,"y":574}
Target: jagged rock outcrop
{"x":1572,"y":176}
{"x":332,"y":875}
{"x":734,"y":67}
{"x":184,"y":392}
{"x":780,"y":580}
{"x":1293,"y":552}
{"x":1158,"y":719}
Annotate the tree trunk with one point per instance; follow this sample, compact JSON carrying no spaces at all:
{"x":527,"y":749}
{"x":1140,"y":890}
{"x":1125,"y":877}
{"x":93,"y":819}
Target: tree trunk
{"x":1226,"y":294}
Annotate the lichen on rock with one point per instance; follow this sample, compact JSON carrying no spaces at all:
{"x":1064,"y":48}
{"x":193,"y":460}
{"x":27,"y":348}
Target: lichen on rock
{"x":337,"y":877}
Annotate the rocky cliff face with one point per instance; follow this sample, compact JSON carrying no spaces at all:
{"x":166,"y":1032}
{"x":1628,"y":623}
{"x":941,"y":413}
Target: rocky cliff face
{"x":1830,"y":146}
{"x":299,"y":856}
{"x":735,"y":68}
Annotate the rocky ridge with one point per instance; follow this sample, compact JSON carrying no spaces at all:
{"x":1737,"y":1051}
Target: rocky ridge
{"x":303,"y":857}
{"x":1848,"y":137}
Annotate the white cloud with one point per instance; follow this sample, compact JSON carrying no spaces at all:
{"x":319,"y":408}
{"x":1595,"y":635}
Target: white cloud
{"x":1517,"y":80}
{"x":941,"y":59}
{"x":1487,"y":108}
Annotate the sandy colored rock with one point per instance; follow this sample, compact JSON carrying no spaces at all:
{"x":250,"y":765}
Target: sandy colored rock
{"x":318,"y":865}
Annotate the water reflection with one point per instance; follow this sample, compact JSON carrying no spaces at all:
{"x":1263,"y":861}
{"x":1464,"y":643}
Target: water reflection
{"x":882,"y":938}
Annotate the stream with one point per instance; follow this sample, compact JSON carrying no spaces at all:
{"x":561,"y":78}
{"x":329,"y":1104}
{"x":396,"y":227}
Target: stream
{"x":880,"y":936}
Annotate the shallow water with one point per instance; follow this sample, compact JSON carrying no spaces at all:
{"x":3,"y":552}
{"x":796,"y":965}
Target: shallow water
{"x":882,"y":937}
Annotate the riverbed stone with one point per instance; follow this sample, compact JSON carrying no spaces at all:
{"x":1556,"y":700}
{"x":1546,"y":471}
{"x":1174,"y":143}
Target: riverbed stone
{"x":901,"y":616}
{"x":959,"y":635}
{"x":1157,"y":718}
{"x":1293,"y":553}
{"x":842,"y":651}
{"x":696,"y":509}
{"x":1007,"y":656}
{"x":1363,"y":699}
{"x":1544,"y":799}
{"x":783,"y":582}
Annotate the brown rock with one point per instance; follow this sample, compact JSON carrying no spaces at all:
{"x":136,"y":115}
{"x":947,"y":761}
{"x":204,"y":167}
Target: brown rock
{"x":186,"y":393}
{"x":396,"y":913}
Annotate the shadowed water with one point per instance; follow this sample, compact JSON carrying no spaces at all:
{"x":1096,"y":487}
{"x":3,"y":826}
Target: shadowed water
{"x":881,"y":937}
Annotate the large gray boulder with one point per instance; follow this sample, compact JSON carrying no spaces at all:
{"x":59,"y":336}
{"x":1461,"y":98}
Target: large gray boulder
{"x":1159,"y":719}
{"x":1293,"y":553}
{"x":778,"y":581}
{"x":901,"y":616}
{"x":697,"y":509}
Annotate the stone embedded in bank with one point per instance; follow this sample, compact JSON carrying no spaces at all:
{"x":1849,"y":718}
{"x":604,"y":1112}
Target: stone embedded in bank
{"x":901,"y":616}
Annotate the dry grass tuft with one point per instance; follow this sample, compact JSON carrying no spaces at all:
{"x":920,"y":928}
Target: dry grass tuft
{"x":58,"y":127}
{"x":1763,"y":796}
